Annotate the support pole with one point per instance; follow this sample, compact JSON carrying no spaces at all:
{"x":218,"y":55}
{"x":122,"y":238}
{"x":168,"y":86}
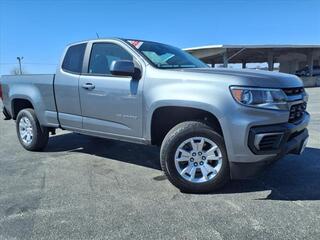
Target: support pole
{"x":310,"y":63}
{"x":244,"y":64}
{"x":225,"y":59}
{"x":270,"y":61}
{"x":20,"y":68}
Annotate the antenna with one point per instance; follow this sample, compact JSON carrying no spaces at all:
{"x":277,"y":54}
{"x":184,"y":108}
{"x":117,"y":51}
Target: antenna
{"x":97,"y":35}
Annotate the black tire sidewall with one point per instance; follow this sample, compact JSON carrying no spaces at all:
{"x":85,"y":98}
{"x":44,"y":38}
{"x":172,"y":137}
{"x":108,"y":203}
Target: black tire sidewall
{"x":39,"y":138}
{"x":173,"y":143}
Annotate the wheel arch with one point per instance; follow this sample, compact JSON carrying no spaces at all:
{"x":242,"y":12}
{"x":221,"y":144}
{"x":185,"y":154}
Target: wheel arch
{"x":165,"y":116}
{"x":27,"y":96}
{"x":18,"y":104}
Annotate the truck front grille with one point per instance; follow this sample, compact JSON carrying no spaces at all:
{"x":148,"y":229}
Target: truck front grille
{"x":297,"y":112}
{"x":293,"y":91}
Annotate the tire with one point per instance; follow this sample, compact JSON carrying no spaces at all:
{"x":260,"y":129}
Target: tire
{"x":178,"y":136}
{"x":27,"y":121}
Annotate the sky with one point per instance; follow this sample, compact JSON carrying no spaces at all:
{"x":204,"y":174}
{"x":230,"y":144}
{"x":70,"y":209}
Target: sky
{"x":39,"y":30}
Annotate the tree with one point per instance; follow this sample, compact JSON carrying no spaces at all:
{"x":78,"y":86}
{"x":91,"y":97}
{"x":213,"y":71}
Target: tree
{"x":16,"y":71}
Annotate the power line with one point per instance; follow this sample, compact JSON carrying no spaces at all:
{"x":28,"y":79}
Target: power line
{"x":11,"y":63}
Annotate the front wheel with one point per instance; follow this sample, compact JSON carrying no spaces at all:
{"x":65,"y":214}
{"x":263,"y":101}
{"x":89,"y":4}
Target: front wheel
{"x":194,"y":158}
{"x":31,"y":135}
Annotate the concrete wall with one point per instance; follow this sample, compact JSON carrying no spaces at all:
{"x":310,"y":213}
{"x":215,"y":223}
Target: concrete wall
{"x":291,"y":62}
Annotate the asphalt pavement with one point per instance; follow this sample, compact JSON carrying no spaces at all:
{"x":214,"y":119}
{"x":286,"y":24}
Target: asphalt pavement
{"x":82,"y":187}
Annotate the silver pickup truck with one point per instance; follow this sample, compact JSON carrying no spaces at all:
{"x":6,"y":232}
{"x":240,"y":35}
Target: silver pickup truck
{"x":212,"y":124}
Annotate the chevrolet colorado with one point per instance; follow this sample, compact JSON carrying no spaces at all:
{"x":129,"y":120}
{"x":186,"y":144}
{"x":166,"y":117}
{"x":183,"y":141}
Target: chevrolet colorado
{"x":212,"y":124}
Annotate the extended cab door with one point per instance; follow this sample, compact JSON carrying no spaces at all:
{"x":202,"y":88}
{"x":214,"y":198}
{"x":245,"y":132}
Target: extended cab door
{"x":66,"y":87}
{"x":110,"y":104}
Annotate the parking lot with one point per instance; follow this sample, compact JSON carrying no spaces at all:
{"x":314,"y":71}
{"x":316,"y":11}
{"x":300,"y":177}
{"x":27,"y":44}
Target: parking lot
{"x":82,"y":187}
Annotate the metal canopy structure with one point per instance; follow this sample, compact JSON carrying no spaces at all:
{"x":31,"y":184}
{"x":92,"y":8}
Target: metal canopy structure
{"x":290,"y":57}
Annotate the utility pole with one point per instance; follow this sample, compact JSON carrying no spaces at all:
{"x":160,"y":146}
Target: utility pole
{"x":19,"y":60}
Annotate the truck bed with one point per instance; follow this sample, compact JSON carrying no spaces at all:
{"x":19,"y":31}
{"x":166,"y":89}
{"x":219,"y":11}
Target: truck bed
{"x":38,"y":88}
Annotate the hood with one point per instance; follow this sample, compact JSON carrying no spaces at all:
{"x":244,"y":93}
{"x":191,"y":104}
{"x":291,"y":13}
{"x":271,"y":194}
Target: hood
{"x":258,"y":78}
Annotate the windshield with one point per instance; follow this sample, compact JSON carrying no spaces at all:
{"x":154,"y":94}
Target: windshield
{"x":165,"y":56}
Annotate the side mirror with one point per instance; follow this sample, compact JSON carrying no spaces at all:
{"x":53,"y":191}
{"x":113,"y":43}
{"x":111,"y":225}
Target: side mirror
{"x":122,"y":68}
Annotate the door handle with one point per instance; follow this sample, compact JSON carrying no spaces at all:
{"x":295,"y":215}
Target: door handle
{"x":88,"y":86}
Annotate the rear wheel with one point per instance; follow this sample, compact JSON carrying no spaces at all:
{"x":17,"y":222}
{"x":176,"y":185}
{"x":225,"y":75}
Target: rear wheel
{"x":194,"y":158}
{"x":31,"y":135}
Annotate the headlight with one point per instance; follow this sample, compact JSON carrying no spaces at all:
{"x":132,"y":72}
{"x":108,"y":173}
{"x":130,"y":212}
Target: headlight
{"x":260,"y":97}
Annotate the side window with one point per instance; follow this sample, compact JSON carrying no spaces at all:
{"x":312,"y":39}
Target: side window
{"x":74,"y":58}
{"x":102,"y":55}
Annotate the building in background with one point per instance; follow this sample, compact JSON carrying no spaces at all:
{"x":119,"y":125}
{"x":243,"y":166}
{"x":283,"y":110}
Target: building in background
{"x":303,"y":60}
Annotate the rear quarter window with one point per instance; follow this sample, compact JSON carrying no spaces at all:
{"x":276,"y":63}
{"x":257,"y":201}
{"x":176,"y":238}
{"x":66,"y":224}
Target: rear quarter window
{"x":73,"y":59}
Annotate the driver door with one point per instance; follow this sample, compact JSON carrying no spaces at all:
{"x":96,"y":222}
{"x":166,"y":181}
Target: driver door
{"x":110,"y":105}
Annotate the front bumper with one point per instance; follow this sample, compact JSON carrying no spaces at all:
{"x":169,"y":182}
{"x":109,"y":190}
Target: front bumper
{"x":278,"y":138}
{"x":281,"y":139}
